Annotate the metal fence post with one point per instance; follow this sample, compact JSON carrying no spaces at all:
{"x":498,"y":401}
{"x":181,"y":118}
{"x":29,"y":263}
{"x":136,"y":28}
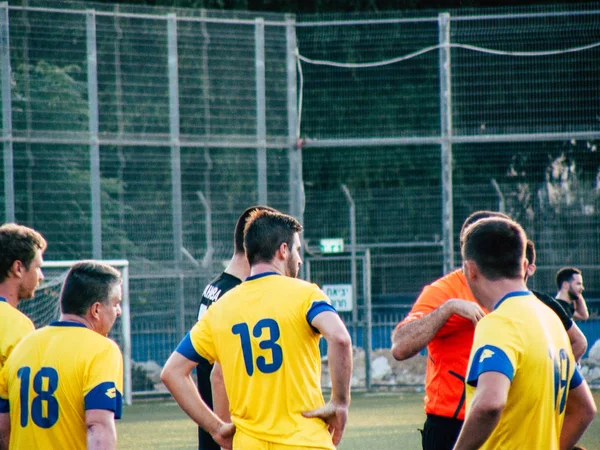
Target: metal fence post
{"x":446,"y":147}
{"x":368,"y":329}
{"x":9,"y":181}
{"x":92,"y":85}
{"x":126,"y":337}
{"x":261,"y":114}
{"x":296,"y":206}
{"x":353,"y":275}
{"x":176,"y":169}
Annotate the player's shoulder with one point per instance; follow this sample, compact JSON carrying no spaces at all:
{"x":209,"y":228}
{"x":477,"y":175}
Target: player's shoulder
{"x":452,"y":285}
{"x":15,"y":317}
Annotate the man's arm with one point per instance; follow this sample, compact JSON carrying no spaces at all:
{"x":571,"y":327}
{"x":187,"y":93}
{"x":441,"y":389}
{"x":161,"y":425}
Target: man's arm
{"x":219,"y":394}
{"x":579,"y":413}
{"x":101,"y":430}
{"x":486,"y":408}
{"x":412,"y":337}
{"x":578,"y":341}
{"x":581,"y":309}
{"x":176,"y":377}
{"x":4,"y":430}
{"x":339,"y":354}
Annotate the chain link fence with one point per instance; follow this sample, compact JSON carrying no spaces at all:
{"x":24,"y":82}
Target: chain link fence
{"x":141,"y":133}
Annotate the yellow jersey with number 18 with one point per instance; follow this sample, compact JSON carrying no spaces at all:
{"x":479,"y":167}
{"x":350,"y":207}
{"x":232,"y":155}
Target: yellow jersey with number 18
{"x":52,"y":377}
{"x":525,"y":340}
{"x":261,"y":334}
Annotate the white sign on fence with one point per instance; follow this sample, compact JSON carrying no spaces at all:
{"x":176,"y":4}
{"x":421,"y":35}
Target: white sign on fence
{"x":332,"y":245}
{"x":340,"y":295}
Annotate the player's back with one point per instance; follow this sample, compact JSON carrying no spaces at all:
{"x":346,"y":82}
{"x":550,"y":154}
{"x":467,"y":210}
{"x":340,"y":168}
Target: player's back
{"x":14,"y":325}
{"x":534,"y":412}
{"x":53,"y":376}
{"x":270,"y":358}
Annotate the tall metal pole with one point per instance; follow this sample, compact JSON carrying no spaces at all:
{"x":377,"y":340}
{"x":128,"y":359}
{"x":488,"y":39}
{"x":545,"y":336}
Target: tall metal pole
{"x":206,"y":90}
{"x":126,"y":336}
{"x":9,"y":181}
{"x":296,"y":200}
{"x":353,"y":275}
{"x":261,"y":114}
{"x":92,"y":83}
{"x":176,"y":170}
{"x":446,"y":147}
{"x":368,"y":329}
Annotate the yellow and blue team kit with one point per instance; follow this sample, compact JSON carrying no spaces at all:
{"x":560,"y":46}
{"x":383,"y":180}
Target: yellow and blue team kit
{"x":261,"y":334}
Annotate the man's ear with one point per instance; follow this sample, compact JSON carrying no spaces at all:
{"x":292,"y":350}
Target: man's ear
{"x":283,"y":250}
{"x":529,"y":269}
{"x":471,"y":270}
{"x":95,"y":310}
{"x":17,"y":268}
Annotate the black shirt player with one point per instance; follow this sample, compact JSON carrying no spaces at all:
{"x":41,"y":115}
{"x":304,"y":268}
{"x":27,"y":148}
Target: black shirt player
{"x":576,"y":336}
{"x":215,"y":289}
{"x":237,"y":270}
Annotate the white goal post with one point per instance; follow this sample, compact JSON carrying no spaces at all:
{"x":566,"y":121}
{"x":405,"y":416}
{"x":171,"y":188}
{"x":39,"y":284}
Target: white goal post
{"x":44,"y":308}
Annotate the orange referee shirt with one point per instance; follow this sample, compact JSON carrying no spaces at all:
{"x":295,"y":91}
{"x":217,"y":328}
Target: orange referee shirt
{"x":450,"y":348}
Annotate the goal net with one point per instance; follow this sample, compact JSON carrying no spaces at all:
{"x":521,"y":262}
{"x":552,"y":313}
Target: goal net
{"x":45,"y":308}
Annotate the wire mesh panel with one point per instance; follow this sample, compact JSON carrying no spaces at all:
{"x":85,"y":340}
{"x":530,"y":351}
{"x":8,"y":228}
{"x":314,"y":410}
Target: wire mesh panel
{"x":544,"y":79}
{"x":399,"y":99}
{"x":551,"y":188}
{"x":53,"y":195}
{"x":49,"y":61}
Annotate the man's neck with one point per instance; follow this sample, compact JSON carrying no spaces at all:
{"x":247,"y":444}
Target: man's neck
{"x":501,"y":288}
{"x":564,"y":296}
{"x":77,"y":319}
{"x":238,"y":266}
{"x":10,"y":295}
{"x":263,"y":267}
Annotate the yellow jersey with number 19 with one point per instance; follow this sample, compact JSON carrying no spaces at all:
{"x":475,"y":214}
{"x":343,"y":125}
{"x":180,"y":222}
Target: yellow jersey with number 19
{"x":52,"y":377}
{"x":261,"y":334}
{"x":525,"y":340}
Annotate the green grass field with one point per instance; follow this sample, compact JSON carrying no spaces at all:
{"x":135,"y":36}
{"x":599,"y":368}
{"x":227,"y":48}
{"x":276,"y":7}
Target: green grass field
{"x":377,"y":421}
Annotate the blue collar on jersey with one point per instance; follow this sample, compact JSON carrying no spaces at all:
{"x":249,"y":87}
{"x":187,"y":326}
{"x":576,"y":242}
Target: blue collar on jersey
{"x":260,"y":275}
{"x":511,"y":294}
{"x":2,"y":299}
{"x":65,"y":323}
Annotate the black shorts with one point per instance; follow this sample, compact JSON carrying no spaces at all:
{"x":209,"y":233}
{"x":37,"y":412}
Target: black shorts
{"x":440,"y":433}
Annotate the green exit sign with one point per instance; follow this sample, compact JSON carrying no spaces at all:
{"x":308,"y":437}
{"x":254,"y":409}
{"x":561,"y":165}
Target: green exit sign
{"x":334,"y":245}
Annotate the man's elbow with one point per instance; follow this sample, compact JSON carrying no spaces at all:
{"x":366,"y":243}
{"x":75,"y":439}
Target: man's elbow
{"x":401,"y":352}
{"x":400,"y":349}
{"x":341,"y":340}
{"x":166,"y":376}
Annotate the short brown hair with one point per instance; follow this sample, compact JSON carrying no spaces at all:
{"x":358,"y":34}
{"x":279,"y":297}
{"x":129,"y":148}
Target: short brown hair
{"x":18,"y":243}
{"x":238,"y":236}
{"x":86,"y":283}
{"x":497,"y":246}
{"x":265,"y":231}
{"x":478,"y":215}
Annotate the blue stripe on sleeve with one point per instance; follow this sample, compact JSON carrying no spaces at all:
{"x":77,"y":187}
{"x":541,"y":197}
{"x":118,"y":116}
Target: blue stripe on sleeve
{"x":4,"y":406}
{"x":576,"y":380}
{"x":489,"y":358}
{"x":105,"y":396}
{"x":317,"y":308}
{"x":186,"y":348}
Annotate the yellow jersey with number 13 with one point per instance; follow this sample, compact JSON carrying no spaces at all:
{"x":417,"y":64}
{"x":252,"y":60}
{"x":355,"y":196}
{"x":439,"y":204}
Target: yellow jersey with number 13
{"x":52,"y":377}
{"x":261,"y":334}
